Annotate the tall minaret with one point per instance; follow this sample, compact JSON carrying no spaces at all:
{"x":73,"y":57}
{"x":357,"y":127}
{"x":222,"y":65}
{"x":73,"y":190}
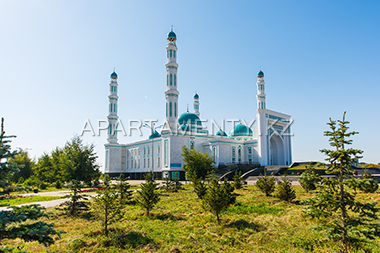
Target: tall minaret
{"x":112,"y":109}
{"x":196,"y":105}
{"x":171,"y":93}
{"x":260,"y":90}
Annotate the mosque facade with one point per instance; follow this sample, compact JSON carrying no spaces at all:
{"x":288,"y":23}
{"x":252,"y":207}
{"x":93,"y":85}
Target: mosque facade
{"x":266,"y":143}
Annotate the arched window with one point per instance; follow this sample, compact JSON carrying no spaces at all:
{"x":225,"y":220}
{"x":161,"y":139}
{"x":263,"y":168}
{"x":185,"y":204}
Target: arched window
{"x":116,"y":108}
{"x":239,"y":154}
{"x":174,"y":53}
{"x":166,"y":110}
{"x":214,"y":154}
{"x":167,"y":80}
{"x":171,"y":51}
{"x":175,"y":79}
{"x":249,"y":155}
{"x":115,"y":89}
{"x":192,"y":145}
{"x":171,"y":79}
{"x":170,"y":109}
{"x":167,"y":54}
{"x":148,"y":151}
{"x":144,"y":162}
{"x":175,"y":109}
{"x":148,"y":162}
{"x":233,"y":155}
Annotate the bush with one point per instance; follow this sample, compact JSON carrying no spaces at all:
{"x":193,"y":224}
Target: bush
{"x":368,"y":183}
{"x":285,"y":190}
{"x":43,"y":185}
{"x":58,"y":184}
{"x":309,"y":179}
{"x":266,"y":184}
{"x":238,"y":180}
{"x":30,"y":182}
{"x":200,"y":188}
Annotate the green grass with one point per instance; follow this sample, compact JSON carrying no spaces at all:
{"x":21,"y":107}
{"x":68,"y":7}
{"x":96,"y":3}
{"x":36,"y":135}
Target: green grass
{"x":179,"y":224}
{"x":18,"y":201}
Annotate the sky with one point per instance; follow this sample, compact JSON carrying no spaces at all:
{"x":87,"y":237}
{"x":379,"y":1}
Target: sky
{"x":320,"y":58}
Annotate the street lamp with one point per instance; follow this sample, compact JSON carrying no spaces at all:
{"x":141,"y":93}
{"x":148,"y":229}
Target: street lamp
{"x":152,"y":130}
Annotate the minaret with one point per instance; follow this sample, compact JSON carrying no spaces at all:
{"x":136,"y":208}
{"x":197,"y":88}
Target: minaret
{"x":112,"y":109}
{"x":260,"y":90}
{"x":171,"y":93}
{"x":196,"y":105}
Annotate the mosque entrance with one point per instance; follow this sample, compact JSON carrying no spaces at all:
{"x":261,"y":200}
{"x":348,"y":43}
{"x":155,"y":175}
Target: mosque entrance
{"x":277,"y":152}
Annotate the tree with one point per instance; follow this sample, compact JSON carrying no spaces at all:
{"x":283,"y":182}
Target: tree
{"x":77,"y":202}
{"x":78,"y":161}
{"x":368,"y":183}
{"x":266,"y":184}
{"x":200,"y":188}
{"x":107,"y":207}
{"x":123,"y":186}
{"x":344,"y":219}
{"x":6,"y":169}
{"x":308,"y":179}
{"x":25,"y":165}
{"x":285,"y":191}
{"x":48,"y":167}
{"x":17,"y":223}
{"x":197,"y":165}
{"x":148,"y":196}
{"x":218,"y":197}
{"x":238,"y":180}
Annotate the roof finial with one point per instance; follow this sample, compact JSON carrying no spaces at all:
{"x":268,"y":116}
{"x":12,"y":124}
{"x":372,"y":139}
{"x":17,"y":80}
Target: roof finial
{"x":171,"y":28}
{"x":187,"y":107}
{"x":113,"y":69}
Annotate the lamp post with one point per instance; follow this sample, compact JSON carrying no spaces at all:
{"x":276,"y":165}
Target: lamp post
{"x":152,"y":130}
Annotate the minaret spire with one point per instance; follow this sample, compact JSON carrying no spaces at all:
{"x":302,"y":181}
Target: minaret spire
{"x":261,"y":104}
{"x":171,"y":93}
{"x":196,"y":104}
{"x":112,"y":110}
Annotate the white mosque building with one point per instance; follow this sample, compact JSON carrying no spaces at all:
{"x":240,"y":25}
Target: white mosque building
{"x":267,"y":143}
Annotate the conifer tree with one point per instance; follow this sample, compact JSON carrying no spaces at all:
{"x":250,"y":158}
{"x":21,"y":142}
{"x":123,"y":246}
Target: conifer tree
{"x":238,"y":180}
{"x":266,"y":184}
{"x":309,"y":179}
{"x":218,"y":197}
{"x":77,"y":202}
{"x":148,"y":196}
{"x":285,"y":191}
{"x":123,"y":186}
{"x":200,"y":188}
{"x":368,"y":183}
{"x":343,"y":218}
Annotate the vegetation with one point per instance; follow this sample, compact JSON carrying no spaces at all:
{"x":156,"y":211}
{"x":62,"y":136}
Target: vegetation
{"x":200,"y":188}
{"x":24,"y":164}
{"x":309,"y":179}
{"x":7,"y":170}
{"x":148,"y":196}
{"x":77,"y":202}
{"x":343,"y":218}
{"x":123,"y":186}
{"x":198,"y":166}
{"x":266,"y":184}
{"x":285,"y":191}
{"x":368,"y":183}
{"x":24,"y":200}
{"x":238,"y":180}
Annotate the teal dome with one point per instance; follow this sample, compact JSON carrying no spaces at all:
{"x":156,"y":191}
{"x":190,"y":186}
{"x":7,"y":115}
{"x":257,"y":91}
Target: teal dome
{"x":114,"y":75}
{"x":196,"y":96}
{"x":241,"y":130}
{"x":154,"y":135}
{"x":221,"y":133}
{"x":172,"y":34}
{"x":191,"y":118}
{"x":260,"y":74}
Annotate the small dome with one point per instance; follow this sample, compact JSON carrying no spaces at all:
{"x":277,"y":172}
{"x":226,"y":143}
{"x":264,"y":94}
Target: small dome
{"x":221,"y":133}
{"x":196,"y":96}
{"x":260,"y":74}
{"x":154,"y":135}
{"x":172,"y":34}
{"x":187,"y":117}
{"x":241,"y":130}
{"x":114,"y":75}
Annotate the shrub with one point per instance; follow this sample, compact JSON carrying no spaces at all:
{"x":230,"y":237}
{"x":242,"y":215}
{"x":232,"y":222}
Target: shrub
{"x":238,"y":180}
{"x":30,"y":182}
{"x":285,"y":190}
{"x":368,"y":183}
{"x":58,"y":184}
{"x":309,"y":179}
{"x":148,"y":197}
{"x":200,"y":188}
{"x":43,"y":185}
{"x":266,"y":184}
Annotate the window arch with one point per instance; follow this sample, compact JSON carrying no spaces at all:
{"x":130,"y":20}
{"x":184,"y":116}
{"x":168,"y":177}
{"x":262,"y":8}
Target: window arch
{"x":171,"y":53}
{"x":170,"y":109}
{"x":175,"y":80}
{"x":167,"y":79}
{"x":214,"y":154}
{"x":175,"y":109}
{"x":171,"y":79}
{"x":233,"y":155}
{"x":239,"y":154}
{"x":166,"y":110}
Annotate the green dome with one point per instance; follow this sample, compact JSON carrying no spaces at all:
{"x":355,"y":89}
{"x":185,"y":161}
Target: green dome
{"x":154,"y":135}
{"x":260,"y":74}
{"x":241,"y":130}
{"x":221,"y":133}
{"x":187,"y":117}
{"x":114,"y":75}
{"x":172,"y":34}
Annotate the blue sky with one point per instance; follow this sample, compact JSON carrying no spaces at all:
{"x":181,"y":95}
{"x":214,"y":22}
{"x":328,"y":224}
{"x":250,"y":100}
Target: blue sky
{"x":320,"y":58}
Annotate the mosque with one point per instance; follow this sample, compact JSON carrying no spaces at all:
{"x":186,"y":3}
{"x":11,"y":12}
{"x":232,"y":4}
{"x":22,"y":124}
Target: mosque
{"x":266,"y":143}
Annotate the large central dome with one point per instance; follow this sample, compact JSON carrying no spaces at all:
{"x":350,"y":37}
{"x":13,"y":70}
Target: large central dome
{"x":189,"y":118}
{"x":241,"y":130}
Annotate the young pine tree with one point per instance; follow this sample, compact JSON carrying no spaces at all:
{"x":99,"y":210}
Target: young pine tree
{"x":218,"y":197}
{"x":266,"y":184}
{"x":107,"y":207}
{"x":285,"y":191}
{"x":238,"y":180}
{"x":123,"y":186}
{"x":344,"y":219}
{"x":309,"y":179}
{"x":148,"y":196}
{"x":77,"y":202}
{"x":200,"y":188}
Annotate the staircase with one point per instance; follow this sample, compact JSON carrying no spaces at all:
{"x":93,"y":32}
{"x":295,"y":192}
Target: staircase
{"x":229,"y":170}
{"x":252,"y":175}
